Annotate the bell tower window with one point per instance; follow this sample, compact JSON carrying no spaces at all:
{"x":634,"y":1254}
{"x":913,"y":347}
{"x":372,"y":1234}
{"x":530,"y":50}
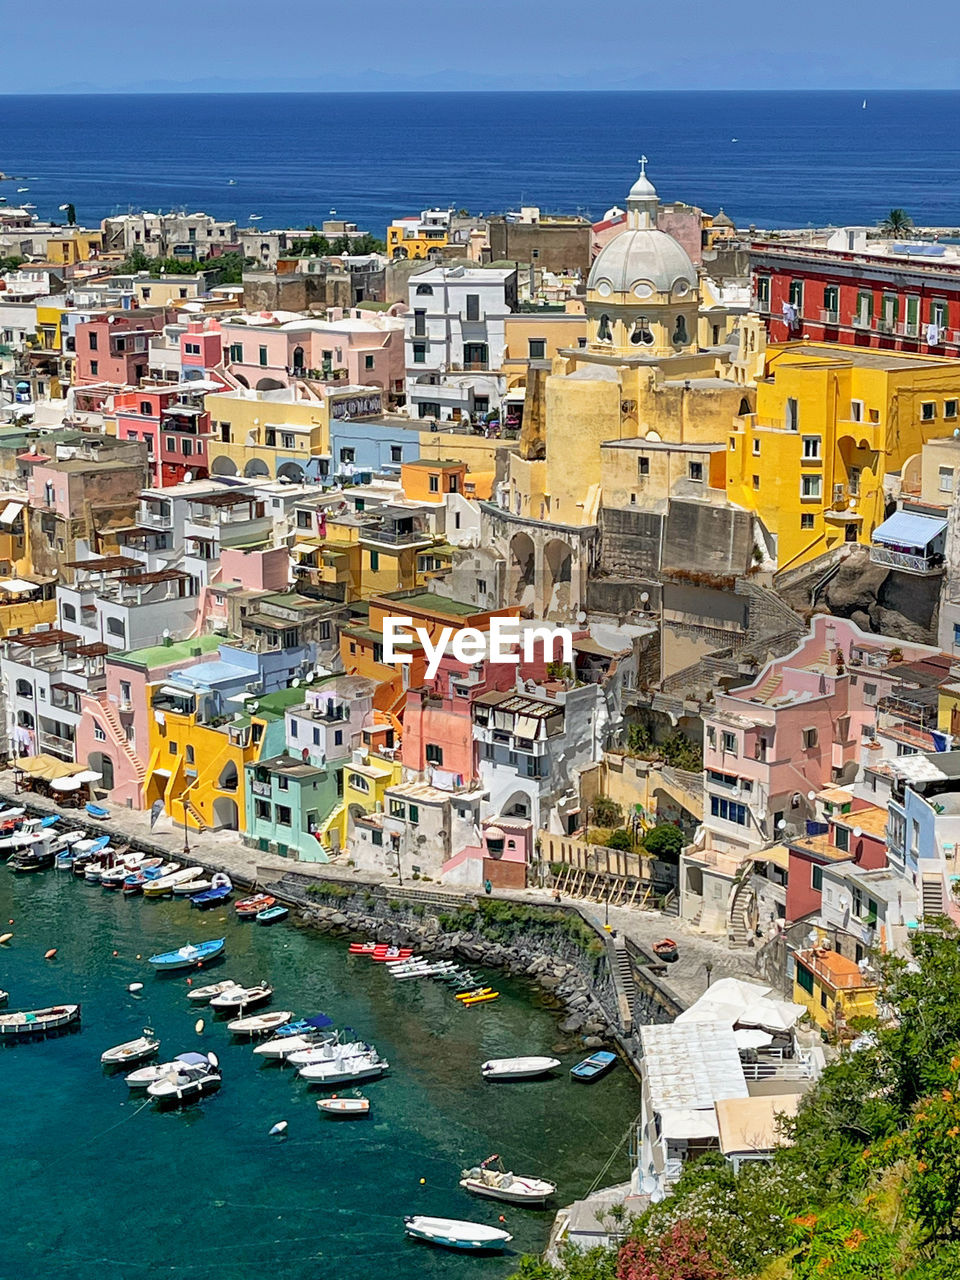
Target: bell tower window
{"x":640,"y":334}
{"x":604,"y":329}
{"x":680,"y":332}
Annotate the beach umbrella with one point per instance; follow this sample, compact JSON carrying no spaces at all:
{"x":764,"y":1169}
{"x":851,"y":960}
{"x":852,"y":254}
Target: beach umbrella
{"x":66,"y":784}
{"x":87,"y":775}
{"x":747,"y":1038}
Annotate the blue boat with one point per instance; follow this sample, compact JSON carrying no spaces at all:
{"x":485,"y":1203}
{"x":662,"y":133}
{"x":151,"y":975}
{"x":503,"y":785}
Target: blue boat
{"x":188,"y":956}
{"x":210,"y":897}
{"x":303,"y":1026}
{"x":592,"y":1068}
{"x":272,"y":915}
{"x":97,"y":810}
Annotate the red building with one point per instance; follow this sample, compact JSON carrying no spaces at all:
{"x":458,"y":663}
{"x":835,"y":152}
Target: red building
{"x":858,"y":837}
{"x":876,"y":294}
{"x":175,"y":425}
{"x":115,"y":347}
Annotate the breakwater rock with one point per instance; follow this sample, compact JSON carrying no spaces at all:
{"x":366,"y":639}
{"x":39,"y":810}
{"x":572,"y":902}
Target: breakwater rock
{"x":553,"y":948}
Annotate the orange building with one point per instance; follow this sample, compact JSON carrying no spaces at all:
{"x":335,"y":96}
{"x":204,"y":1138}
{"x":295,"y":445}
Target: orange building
{"x":426,"y":481}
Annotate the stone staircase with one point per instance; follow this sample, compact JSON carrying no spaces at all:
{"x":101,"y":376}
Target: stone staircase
{"x":120,"y":737}
{"x":626,"y":980}
{"x":197,"y":816}
{"x":740,"y":901}
{"x":931,"y":894}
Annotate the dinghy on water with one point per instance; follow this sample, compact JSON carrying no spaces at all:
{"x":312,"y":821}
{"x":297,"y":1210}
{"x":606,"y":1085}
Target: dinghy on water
{"x":132,"y":1051}
{"x":220,"y":889}
{"x":243,"y":998}
{"x":344,"y":1070}
{"x":452,"y":1233}
{"x":194,"y":1075}
{"x":188,"y":956}
{"x":497,"y":1183}
{"x":518,"y":1068}
{"x":344,"y":1108}
{"x":259,"y":1024}
{"x":594,"y":1067}
{"x":38,"y":1022}
{"x":203,"y":995}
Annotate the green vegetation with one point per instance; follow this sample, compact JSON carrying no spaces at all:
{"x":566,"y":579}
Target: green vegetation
{"x":329,"y":889}
{"x":317,"y":245}
{"x":229,"y":265}
{"x":664,"y":841}
{"x":11,"y":264}
{"x":620,"y":839}
{"x":501,"y":921}
{"x":677,"y":750}
{"x":897,"y":223}
{"x":606,"y":812}
{"x":869,"y":1188}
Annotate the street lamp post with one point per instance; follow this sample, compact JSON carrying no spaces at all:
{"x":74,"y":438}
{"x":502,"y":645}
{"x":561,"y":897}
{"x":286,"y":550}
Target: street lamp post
{"x":186,"y":829}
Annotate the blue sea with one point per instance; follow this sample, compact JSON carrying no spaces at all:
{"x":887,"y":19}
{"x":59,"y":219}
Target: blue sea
{"x":770,"y":159}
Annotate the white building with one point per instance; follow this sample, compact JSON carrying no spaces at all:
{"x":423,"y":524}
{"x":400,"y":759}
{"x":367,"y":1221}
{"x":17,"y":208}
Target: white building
{"x":455,"y":339}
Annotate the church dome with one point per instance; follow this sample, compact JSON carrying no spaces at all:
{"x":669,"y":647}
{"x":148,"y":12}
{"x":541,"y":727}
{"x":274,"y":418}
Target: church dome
{"x":640,"y":263}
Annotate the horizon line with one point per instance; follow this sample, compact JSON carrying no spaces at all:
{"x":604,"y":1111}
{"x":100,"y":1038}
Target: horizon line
{"x":176,"y":92}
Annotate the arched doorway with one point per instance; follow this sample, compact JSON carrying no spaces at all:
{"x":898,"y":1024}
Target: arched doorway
{"x":101,"y":763}
{"x":291,"y":471}
{"x":228,"y":779}
{"x":242,"y":380}
{"x":354,"y":811}
{"x":518,"y":806}
{"x":520,"y":572}
{"x":223,"y":466}
{"x":225,"y":814}
{"x":255,"y":469}
{"x":269,"y":384}
{"x":558,"y":573}
{"x":298,"y":365}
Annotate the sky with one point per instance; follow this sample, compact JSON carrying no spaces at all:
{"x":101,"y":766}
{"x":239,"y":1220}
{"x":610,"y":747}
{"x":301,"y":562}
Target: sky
{"x":370,"y":45}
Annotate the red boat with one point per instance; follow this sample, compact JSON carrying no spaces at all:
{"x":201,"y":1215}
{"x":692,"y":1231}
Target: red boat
{"x":390,"y":955}
{"x":248,"y":907}
{"x":362,"y":948}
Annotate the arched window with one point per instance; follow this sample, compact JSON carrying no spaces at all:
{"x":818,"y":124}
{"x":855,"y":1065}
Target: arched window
{"x":604,"y":329}
{"x":641,"y":334}
{"x":744,"y":406}
{"x":680,"y":332}
{"x":424,"y":290}
{"x":298,"y":357}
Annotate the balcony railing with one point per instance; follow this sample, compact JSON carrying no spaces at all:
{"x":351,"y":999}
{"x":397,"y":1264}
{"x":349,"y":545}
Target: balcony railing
{"x":863,"y":322}
{"x":394,"y":537}
{"x":156,"y":519}
{"x":59,"y":746}
{"x":926,"y":564}
{"x":476,"y":366}
{"x":829,"y":317}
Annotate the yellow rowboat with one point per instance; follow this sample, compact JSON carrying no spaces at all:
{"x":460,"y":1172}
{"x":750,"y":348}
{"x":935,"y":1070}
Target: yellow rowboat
{"x":490,"y":995}
{"x":477,"y":991}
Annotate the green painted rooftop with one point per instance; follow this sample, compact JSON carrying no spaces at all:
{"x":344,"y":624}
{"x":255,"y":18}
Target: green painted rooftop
{"x":160,"y":655}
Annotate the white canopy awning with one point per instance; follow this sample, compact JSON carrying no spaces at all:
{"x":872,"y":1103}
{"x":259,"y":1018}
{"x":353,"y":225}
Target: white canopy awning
{"x":17,"y":586}
{"x":10,"y":512}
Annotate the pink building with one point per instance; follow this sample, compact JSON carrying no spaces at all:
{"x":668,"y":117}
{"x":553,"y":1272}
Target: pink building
{"x":265,"y":353}
{"x":855,"y":834}
{"x":176,"y":427}
{"x":201,"y":347}
{"x":115,"y":347}
{"x":113,"y":736}
{"x":807,"y":720}
{"x":262,"y":569}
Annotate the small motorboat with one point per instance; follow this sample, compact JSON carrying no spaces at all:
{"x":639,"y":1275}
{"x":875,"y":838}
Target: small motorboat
{"x":97,"y":811}
{"x":138,"y":1050}
{"x":36,"y":857}
{"x":497,"y":1183}
{"x":38,"y":1022}
{"x":243,"y":997}
{"x":194,"y":1075}
{"x":344,"y":1070}
{"x":203,"y":995}
{"x":451,"y":1233}
{"x":220,"y":889}
{"x":164,"y":885}
{"x":281,"y":1047}
{"x":594,"y":1067}
{"x":329,"y":1050}
{"x":259,"y":1024}
{"x":247,"y":908}
{"x":272,"y":915}
{"x":191,"y":887}
{"x":146,"y":1076}
{"x":188,"y":956}
{"x":518,"y":1068}
{"x":666,"y":949}
{"x":345,"y":1108}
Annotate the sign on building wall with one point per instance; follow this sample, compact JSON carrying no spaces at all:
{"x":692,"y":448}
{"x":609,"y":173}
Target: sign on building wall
{"x":357,"y":406}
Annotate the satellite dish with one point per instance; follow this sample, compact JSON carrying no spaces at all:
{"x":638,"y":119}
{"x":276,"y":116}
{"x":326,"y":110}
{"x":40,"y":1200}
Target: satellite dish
{"x":187,"y":477}
{"x":782,"y":825}
{"x":295,"y":683}
{"x":581,"y":616}
{"x":857,"y":832}
{"x":811,"y":795}
{"x":253,"y":706}
{"x":644,"y":597}
{"x":166,"y":633}
{"x":443,"y":366}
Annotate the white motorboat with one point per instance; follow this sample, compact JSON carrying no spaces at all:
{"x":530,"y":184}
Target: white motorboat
{"x":518,"y":1068}
{"x":344,"y":1108}
{"x":243,"y":997}
{"x":194,"y":1075}
{"x":328,"y":1052}
{"x":203,"y":995}
{"x":283,"y":1047}
{"x":145,"y":1076}
{"x":165,"y":884}
{"x":259,"y":1023}
{"x":344,"y":1070}
{"x":451,"y":1233}
{"x":144,"y":1046}
{"x":498,"y":1184}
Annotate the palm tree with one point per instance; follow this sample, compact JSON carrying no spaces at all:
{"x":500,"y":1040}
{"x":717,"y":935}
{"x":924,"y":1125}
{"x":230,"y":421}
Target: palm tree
{"x":897,"y":223}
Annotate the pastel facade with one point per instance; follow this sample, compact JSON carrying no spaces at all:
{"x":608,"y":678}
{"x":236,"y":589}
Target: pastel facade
{"x":833,"y":990}
{"x":420,"y":237}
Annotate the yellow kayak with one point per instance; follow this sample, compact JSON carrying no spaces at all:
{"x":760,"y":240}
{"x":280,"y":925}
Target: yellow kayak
{"x":490,"y":995}
{"x":477,"y":991}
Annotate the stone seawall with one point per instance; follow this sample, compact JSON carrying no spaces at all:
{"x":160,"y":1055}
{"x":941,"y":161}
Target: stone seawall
{"x":554,"y":948}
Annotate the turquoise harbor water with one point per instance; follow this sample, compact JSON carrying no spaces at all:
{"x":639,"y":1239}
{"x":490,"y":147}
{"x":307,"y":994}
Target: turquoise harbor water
{"x":97,"y":1184}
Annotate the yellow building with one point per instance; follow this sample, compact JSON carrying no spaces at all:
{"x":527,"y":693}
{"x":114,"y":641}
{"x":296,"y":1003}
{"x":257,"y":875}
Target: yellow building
{"x":164,"y":291}
{"x":74,"y":246}
{"x":419,"y":238}
{"x":195,"y":766}
{"x":539,"y":335}
{"x":267,"y":434}
{"x":831,"y":422}
{"x":49,"y":319}
{"x":833,"y":990}
{"x":366,"y":778}
{"x":353,"y":560}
